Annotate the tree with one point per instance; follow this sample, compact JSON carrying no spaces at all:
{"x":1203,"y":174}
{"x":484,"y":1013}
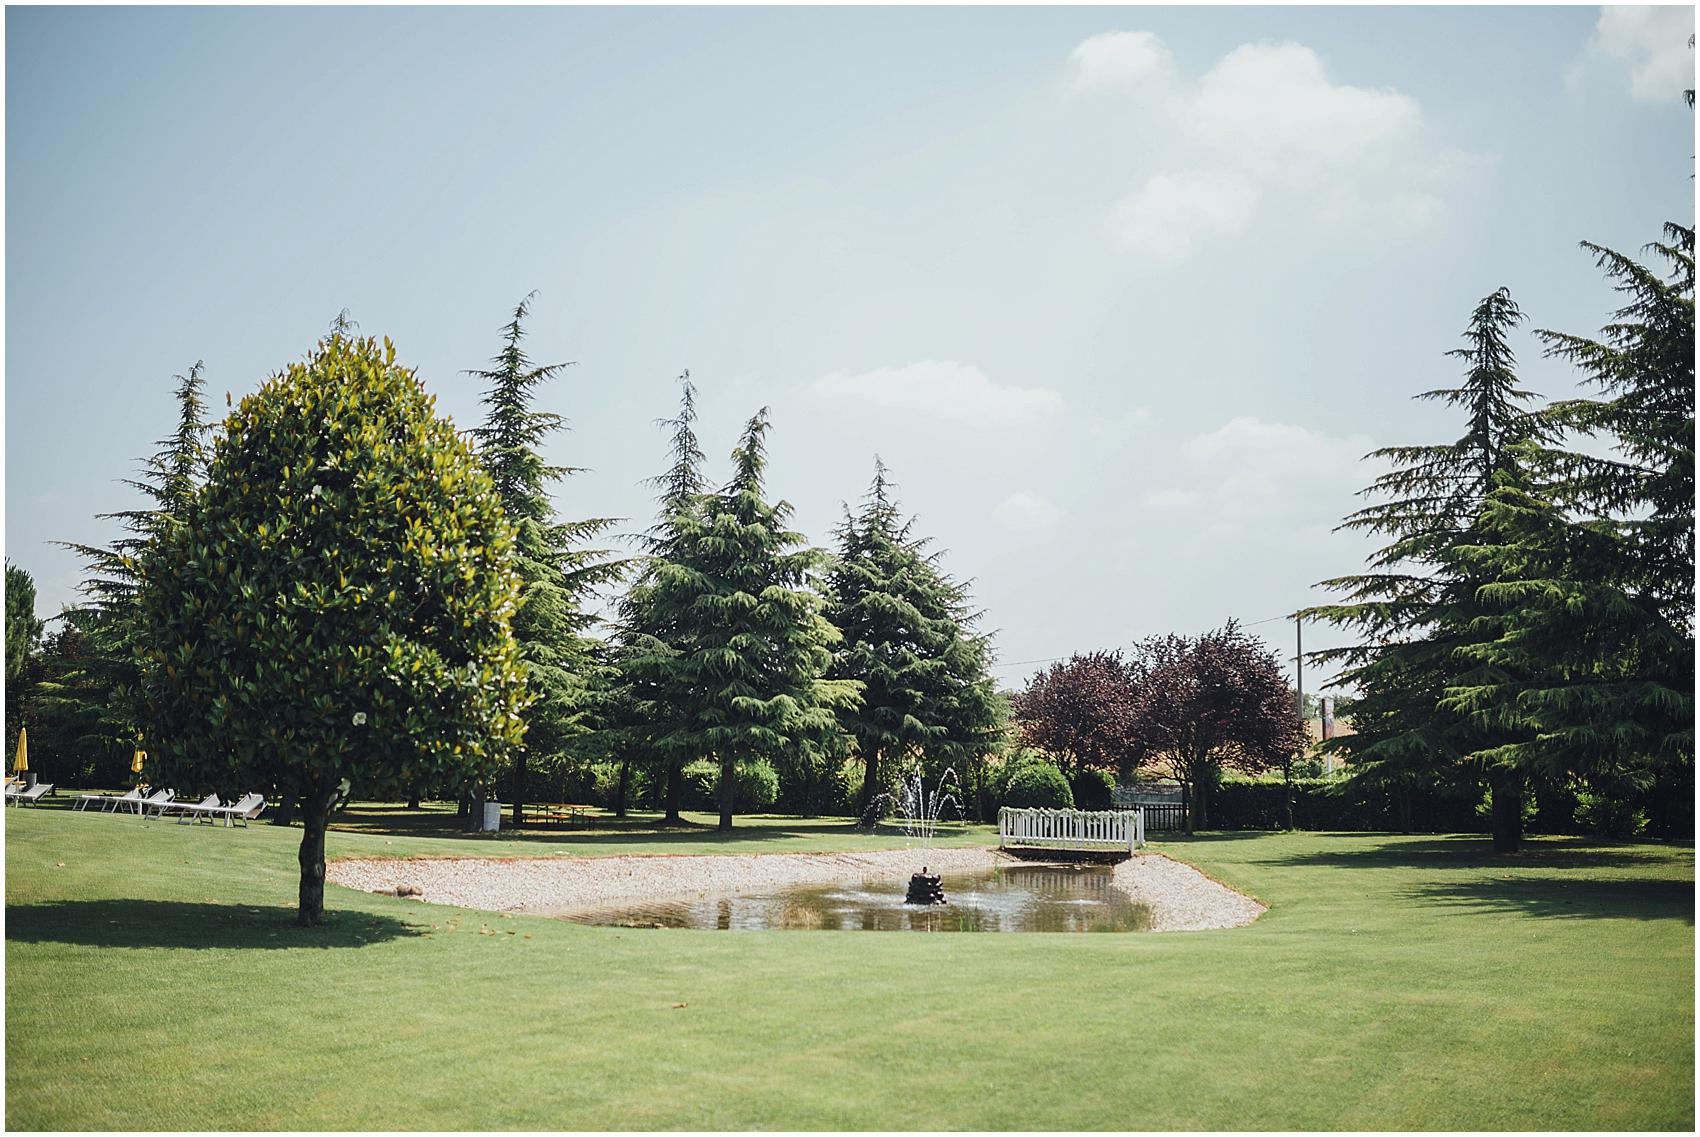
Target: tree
{"x":648,"y":637}
{"x":1415,"y":611}
{"x":94,"y":682}
{"x":1215,"y":700}
{"x":333,"y":614}
{"x":1081,"y":711}
{"x":557,"y":572}
{"x":23,"y":639}
{"x":1589,"y":667}
{"x":745,"y":645}
{"x":905,"y":624}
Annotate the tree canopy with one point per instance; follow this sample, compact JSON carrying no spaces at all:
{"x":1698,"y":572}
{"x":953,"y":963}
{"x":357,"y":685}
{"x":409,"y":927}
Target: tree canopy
{"x":333,"y":612}
{"x":926,"y":692}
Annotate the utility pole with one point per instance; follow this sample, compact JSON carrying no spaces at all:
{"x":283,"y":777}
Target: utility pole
{"x":1299,"y":663}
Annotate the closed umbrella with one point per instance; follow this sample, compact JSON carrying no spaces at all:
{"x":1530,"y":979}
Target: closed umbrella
{"x":136,"y":762}
{"x":22,"y":764}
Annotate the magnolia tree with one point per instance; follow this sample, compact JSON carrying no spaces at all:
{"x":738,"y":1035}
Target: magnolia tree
{"x":331,"y":614}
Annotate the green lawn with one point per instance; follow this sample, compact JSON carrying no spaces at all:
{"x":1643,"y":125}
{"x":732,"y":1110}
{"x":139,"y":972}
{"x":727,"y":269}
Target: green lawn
{"x":154,"y":980}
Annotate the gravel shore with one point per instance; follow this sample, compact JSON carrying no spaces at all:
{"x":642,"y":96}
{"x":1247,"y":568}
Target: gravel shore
{"x":1181,"y":898}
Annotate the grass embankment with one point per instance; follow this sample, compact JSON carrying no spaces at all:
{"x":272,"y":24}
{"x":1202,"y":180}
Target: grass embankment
{"x":154,"y":980}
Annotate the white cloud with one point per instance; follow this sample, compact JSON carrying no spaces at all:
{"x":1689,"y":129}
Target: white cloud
{"x":1120,"y":59}
{"x":1248,"y":471}
{"x":1264,"y":130}
{"x":1168,"y":216}
{"x":1275,"y":102}
{"x":1652,"y":42}
{"x":941,"y":391}
{"x":1025,"y":509}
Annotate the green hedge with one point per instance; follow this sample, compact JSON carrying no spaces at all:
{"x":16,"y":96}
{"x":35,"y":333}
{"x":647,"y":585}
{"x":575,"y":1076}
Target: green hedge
{"x":1342,"y":804}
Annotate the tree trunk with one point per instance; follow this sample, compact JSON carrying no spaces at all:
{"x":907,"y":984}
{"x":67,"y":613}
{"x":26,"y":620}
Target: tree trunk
{"x":285,"y":810}
{"x":475,"y":811}
{"x":413,"y":799}
{"x":519,"y":790}
{"x":1505,"y":792}
{"x":728,"y":787}
{"x":315,"y":811}
{"x":870,"y":780}
{"x":621,"y":788}
{"x":1404,"y":809}
{"x":675,"y":790}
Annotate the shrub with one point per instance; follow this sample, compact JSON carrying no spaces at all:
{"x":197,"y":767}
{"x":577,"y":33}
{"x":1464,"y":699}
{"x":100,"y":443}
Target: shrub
{"x":1038,"y":785}
{"x":755,"y":787}
{"x":1092,"y":789}
{"x":1609,"y":816}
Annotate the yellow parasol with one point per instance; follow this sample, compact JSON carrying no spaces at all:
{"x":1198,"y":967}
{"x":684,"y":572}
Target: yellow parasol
{"x":22,"y":765}
{"x":136,"y":762}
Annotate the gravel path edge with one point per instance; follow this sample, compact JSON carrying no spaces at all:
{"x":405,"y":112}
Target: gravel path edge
{"x":1181,"y":898}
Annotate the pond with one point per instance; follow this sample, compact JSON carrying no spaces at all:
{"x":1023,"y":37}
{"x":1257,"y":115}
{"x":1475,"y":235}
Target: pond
{"x":1011,"y":898}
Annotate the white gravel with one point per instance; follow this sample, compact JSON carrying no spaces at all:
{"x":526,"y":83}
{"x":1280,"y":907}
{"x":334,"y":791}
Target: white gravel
{"x":1181,"y":898}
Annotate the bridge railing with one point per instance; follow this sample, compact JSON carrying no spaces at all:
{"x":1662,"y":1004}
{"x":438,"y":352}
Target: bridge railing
{"x":1071,"y":829}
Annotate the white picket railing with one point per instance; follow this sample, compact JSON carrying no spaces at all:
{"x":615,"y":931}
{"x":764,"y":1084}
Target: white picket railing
{"x":1071,"y":829}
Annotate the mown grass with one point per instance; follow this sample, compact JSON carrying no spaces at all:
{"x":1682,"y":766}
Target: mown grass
{"x":154,"y":980}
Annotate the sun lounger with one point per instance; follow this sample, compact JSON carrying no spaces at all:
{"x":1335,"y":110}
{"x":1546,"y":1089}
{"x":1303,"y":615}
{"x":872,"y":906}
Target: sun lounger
{"x":34,"y":794}
{"x":109,"y":802}
{"x":243,"y":811}
{"x":153,"y":801}
{"x":183,"y":809}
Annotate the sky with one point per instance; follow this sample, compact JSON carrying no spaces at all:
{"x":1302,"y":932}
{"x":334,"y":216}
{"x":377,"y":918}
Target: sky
{"x":1122,"y":296}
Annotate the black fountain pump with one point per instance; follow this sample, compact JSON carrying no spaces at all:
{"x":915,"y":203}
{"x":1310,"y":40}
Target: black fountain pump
{"x":924,"y":888}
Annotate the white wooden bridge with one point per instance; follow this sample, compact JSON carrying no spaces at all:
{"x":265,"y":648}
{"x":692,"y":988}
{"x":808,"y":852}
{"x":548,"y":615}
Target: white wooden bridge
{"x":1044,"y":832}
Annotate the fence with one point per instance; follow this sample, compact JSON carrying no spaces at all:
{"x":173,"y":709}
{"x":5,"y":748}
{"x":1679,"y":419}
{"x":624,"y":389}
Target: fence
{"x":1071,"y":829}
{"x":1165,"y":806}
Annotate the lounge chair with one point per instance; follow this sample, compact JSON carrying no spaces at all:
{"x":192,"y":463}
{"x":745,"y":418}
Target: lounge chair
{"x":185,"y":809}
{"x":108,"y":802}
{"x":244,"y":811}
{"x":154,"y":801}
{"x":34,"y":794}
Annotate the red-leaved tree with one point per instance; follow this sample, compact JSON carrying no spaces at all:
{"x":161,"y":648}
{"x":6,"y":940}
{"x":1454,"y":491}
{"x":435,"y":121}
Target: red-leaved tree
{"x":1206,"y":702}
{"x":1081,"y":711}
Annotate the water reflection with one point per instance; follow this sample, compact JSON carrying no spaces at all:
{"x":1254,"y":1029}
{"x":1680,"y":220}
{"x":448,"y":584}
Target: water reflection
{"x":1013,"y":898}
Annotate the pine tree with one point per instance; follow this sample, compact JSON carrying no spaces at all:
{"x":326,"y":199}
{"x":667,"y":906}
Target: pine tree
{"x":558,"y":572}
{"x":1414,"y":612}
{"x":744,"y":645}
{"x":926,"y":690}
{"x":1593,"y":625}
{"x":647,"y":637}
{"x":97,"y":687}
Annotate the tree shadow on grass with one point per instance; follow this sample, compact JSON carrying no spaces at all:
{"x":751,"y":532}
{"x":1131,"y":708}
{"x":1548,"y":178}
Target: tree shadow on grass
{"x":176,"y":924}
{"x":1570,"y":897}
{"x":1467,"y":851}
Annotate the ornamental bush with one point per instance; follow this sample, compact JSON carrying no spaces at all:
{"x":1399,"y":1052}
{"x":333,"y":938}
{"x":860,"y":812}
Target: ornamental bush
{"x":755,"y":785}
{"x":334,"y":605}
{"x":1038,"y":785}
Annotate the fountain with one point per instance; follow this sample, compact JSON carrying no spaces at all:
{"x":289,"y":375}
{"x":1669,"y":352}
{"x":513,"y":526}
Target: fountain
{"x":924,"y":888}
{"x":920,"y":813}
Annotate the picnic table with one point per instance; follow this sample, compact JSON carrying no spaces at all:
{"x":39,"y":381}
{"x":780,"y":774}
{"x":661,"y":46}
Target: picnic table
{"x":558,"y":815}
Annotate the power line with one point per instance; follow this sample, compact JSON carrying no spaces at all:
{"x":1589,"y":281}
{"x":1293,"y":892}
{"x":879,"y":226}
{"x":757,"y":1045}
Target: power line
{"x":1055,"y":658}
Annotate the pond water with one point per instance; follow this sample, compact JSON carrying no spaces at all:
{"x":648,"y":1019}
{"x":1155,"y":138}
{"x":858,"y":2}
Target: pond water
{"x":1011,"y":898}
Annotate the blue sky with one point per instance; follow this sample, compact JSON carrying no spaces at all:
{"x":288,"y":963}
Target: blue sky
{"x":1120,"y":295}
